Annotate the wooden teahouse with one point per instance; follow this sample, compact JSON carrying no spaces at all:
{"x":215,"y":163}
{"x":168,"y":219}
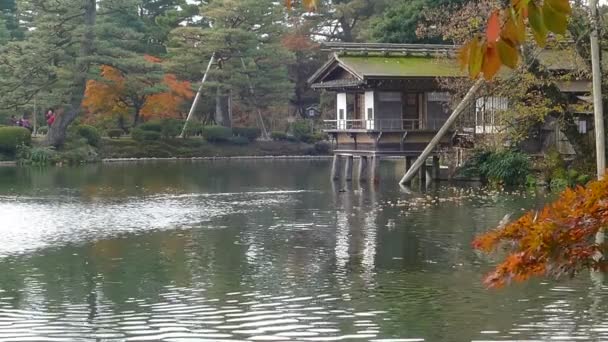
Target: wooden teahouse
{"x":388,"y":102}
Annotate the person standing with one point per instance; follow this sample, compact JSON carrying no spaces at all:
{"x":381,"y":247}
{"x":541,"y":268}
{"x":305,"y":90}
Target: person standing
{"x":50,"y":117}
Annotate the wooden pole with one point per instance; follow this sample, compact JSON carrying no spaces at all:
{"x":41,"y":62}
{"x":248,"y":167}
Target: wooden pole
{"x":363,"y":173}
{"x":349,"y":168}
{"x":336,"y":169}
{"x":442,"y":132}
{"x":35,"y":118}
{"x":198,"y":96}
{"x":598,"y":110}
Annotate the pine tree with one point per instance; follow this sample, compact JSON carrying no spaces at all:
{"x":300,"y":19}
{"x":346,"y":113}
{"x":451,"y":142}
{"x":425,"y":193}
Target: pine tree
{"x":242,"y":32}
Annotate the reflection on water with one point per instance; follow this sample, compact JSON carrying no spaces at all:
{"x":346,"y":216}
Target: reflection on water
{"x":262,"y":251}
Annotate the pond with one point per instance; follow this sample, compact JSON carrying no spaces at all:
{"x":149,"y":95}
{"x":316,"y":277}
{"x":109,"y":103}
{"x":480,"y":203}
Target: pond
{"x":263,"y":251}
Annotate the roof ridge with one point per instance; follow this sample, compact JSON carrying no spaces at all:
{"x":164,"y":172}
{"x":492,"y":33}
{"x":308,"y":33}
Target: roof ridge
{"x":389,"y":48}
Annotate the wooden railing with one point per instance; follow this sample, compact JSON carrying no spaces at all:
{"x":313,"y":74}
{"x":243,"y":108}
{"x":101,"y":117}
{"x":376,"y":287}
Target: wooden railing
{"x":382,"y":124}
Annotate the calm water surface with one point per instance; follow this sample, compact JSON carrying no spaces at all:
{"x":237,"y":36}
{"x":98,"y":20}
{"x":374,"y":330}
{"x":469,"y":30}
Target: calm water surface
{"x":263,"y":251}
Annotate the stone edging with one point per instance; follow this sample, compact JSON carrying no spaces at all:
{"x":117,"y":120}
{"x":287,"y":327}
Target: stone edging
{"x":121,"y":160}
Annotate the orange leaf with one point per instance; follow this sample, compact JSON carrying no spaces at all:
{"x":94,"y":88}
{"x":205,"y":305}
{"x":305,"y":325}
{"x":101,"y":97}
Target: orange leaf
{"x":493,"y":30}
{"x":491,"y":63}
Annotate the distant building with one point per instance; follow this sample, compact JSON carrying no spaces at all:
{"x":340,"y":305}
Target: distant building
{"x":389,"y":101}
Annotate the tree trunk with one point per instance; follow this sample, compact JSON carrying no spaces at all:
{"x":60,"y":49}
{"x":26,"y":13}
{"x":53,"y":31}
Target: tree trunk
{"x":137,"y":116}
{"x":347,"y":30}
{"x":222,"y":109}
{"x":57,"y":132}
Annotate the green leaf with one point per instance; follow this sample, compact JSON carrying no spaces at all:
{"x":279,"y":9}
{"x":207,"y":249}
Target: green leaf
{"x":535,"y":17}
{"x":476,"y":54}
{"x":508,"y":54}
{"x":555,"y":21}
{"x":560,"y":6}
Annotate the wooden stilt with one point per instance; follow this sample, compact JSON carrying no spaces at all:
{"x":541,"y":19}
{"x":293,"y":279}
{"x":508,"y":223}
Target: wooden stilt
{"x":375,"y":169}
{"x":436,"y":168}
{"x":336,"y":168}
{"x":348,"y":170}
{"x":363,"y":169}
{"x":422,"y":174}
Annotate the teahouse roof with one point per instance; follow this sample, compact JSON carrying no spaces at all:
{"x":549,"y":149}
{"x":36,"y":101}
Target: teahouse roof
{"x":369,"y":61}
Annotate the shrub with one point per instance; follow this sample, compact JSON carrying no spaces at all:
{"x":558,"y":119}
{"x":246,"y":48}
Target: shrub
{"x":90,"y":133}
{"x":43,"y":130}
{"x":278,"y":136}
{"x":139,"y":134}
{"x":239,"y":141}
{"x":251,"y":134}
{"x":301,"y":130}
{"x":114,"y":133}
{"x":76,"y":156}
{"x":12,"y":137}
{"x":291,"y":138}
{"x":39,"y":156}
{"x":193,"y":129}
{"x":506,"y":167}
{"x":171,"y":128}
{"x":322,"y":147}
{"x":154,"y":126}
{"x":217,"y":134}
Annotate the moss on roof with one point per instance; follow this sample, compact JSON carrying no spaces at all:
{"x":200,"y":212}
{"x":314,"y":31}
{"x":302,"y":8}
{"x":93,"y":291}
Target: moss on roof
{"x":367,"y":66}
{"x":563,"y":59}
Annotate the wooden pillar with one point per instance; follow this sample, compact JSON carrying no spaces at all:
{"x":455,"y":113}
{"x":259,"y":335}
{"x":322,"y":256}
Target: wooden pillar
{"x":436,"y":168}
{"x":336,"y":169}
{"x":363,"y":169}
{"x":375,"y":169}
{"x":422,"y":174}
{"x":348,"y":170}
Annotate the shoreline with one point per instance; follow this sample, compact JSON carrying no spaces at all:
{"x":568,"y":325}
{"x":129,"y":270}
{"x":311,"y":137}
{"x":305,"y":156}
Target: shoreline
{"x":135,"y":160}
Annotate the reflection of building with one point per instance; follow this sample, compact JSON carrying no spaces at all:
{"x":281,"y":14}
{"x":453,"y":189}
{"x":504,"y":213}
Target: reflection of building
{"x":389,"y":103}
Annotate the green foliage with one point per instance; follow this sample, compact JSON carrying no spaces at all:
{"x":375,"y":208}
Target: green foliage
{"x":251,"y":134}
{"x":301,"y":130}
{"x":193,"y":129}
{"x":77,"y":155}
{"x":139,"y":134}
{"x":154,"y":126}
{"x":506,"y":167}
{"x":563,"y":179}
{"x":114,"y":133}
{"x":239,"y":141}
{"x":43,"y":130}
{"x":278,"y":136}
{"x":38,"y":156}
{"x":171,"y":128}
{"x":90,"y":133}
{"x":400,"y":22}
{"x":216,"y":134}
{"x":12,"y":137}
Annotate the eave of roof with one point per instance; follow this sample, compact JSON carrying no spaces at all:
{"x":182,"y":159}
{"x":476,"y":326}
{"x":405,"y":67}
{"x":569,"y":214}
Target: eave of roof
{"x":337,"y":84}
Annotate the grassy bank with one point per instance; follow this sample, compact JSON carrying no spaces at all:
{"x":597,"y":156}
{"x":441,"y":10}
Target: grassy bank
{"x":192,"y":148}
